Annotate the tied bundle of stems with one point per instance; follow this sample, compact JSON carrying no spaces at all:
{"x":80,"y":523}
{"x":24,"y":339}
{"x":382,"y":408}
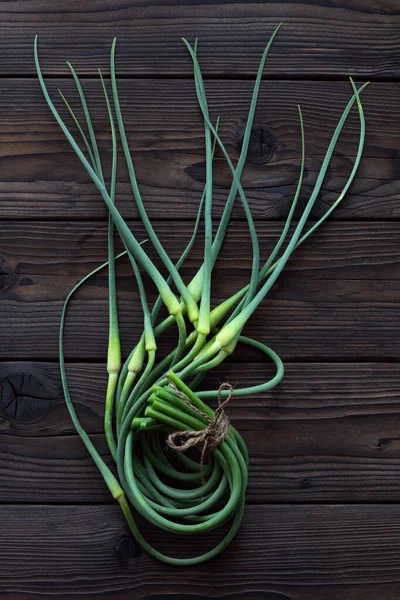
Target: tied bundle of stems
{"x":150,"y":398}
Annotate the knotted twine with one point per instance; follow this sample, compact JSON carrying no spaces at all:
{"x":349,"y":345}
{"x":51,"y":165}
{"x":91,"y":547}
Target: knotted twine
{"x":212,"y":436}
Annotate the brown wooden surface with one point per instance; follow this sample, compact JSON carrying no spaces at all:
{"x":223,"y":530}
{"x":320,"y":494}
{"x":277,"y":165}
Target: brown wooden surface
{"x":337,"y":299}
{"x":328,"y":433}
{"x":43,"y":178}
{"x":325,"y":38}
{"x":282,"y":552}
{"x":322,"y":520}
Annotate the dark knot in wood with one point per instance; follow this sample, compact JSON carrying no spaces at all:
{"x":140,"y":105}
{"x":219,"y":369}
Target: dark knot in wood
{"x":127,"y":550}
{"x":262,"y":144}
{"x":7,"y":275}
{"x":24,"y":396}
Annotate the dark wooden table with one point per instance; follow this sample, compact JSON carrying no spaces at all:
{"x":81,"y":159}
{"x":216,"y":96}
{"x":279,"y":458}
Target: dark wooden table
{"x":323,"y":514}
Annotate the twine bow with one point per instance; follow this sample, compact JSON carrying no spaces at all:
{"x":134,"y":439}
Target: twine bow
{"x":210,"y":437}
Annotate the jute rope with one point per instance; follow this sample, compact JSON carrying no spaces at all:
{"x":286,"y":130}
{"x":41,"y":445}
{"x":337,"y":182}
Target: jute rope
{"x":210,"y":437}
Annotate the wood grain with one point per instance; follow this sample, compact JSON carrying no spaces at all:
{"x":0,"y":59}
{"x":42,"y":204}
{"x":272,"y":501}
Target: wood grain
{"x":42,"y":178}
{"x":68,"y":250}
{"x":324,"y":444}
{"x":339,"y":302}
{"x":320,"y":38}
{"x":309,"y":391}
{"x":327,"y":433}
{"x":281,"y":553}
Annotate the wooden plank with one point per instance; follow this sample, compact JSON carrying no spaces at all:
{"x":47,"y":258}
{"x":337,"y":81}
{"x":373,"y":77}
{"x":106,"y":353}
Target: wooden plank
{"x":316,"y":312}
{"x":309,"y":391}
{"x":327,"y":433}
{"x":281,"y":553}
{"x":68,"y":250}
{"x":42,"y":178}
{"x":359,"y":322}
{"x":358,"y":36}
